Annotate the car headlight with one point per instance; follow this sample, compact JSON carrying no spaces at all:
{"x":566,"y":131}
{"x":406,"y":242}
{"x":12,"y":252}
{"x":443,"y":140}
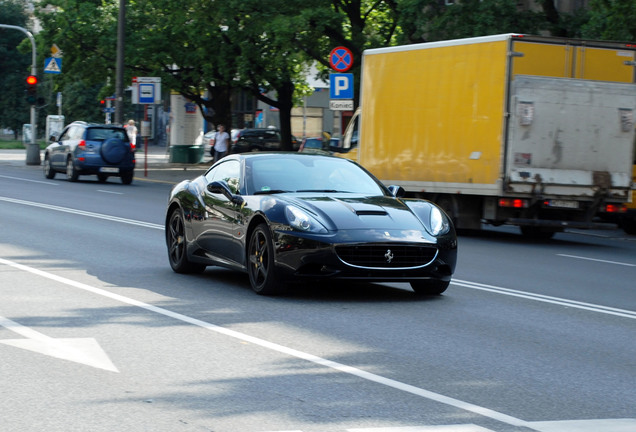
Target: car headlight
{"x":302,"y":221}
{"x":438,"y":222}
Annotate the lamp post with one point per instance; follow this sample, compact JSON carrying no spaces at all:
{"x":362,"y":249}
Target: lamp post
{"x":119,"y":79}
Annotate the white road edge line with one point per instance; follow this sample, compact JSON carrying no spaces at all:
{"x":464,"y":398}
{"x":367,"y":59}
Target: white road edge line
{"x":597,"y":260}
{"x":30,"y":181}
{"x":624,"y":313}
{"x":466,"y":406}
{"x":82,"y":213}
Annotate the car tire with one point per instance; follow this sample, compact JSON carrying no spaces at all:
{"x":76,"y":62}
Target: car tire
{"x":429,"y":287}
{"x":49,"y":172}
{"x":114,"y":150}
{"x":71,"y":171}
{"x":260,"y":261}
{"x":178,"y":246}
{"x":127,"y":177}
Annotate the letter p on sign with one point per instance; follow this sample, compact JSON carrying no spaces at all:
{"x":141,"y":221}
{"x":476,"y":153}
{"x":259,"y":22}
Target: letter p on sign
{"x":341,"y":86}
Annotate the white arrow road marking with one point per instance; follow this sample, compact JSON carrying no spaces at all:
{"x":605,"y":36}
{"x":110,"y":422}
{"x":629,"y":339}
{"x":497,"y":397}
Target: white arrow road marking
{"x":80,"y":350}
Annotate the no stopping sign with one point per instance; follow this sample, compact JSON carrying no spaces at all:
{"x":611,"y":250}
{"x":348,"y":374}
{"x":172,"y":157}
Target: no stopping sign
{"x":341,"y":59}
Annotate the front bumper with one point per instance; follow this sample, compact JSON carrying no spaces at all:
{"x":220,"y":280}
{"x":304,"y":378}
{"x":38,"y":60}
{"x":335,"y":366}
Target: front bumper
{"x":376,"y":259}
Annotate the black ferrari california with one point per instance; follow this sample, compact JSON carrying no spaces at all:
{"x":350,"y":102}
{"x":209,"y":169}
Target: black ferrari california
{"x":291,"y":216}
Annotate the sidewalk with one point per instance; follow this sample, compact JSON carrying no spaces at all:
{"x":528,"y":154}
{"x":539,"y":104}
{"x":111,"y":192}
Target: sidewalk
{"x":153,"y":166}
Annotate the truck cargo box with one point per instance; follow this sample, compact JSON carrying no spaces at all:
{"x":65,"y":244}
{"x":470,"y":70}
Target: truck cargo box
{"x":538,"y":124}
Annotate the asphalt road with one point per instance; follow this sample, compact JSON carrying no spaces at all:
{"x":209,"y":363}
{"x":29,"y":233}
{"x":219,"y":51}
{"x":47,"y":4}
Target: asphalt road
{"x":98,"y":334}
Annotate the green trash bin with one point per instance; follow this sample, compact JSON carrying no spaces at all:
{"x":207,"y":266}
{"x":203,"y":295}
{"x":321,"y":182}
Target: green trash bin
{"x":186,"y":154}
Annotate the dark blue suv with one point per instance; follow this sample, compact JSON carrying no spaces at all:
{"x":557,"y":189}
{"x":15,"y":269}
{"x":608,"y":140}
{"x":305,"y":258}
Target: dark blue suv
{"x":91,"y":149}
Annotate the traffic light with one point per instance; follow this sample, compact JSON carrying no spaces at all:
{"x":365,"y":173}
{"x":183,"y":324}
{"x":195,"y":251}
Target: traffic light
{"x":32,"y":89}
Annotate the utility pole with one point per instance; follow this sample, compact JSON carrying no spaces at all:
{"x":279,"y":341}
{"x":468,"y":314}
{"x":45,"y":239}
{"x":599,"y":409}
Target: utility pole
{"x":119,"y":80}
{"x":33,"y":150}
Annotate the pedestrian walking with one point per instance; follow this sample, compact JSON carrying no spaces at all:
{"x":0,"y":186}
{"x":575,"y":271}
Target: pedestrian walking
{"x":131,"y":129}
{"x":221,"y":143}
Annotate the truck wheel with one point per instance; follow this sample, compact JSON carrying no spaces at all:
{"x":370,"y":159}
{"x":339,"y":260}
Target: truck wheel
{"x":629,"y":225}
{"x":537,"y":233}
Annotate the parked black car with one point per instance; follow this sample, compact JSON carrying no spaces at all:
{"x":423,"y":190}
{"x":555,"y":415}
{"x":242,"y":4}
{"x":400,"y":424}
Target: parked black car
{"x":282,"y":216}
{"x":260,"y":139}
{"x":85,"y":149}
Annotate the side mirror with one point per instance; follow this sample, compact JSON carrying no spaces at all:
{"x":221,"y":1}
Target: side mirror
{"x":397,"y":191}
{"x":221,"y":187}
{"x":53,"y":137}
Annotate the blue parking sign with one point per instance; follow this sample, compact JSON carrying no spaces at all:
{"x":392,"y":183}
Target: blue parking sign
{"x":341,"y":86}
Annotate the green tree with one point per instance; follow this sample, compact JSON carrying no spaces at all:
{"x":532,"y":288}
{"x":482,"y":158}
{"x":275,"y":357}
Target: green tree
{"x":354,"y":24}
{"x":189,"y":46}
{"x":85,"y":30}
{"x":268,"y":61}
{"x":611,"y":20}
{"x":431,"y":20}
{"x":15,"y":67}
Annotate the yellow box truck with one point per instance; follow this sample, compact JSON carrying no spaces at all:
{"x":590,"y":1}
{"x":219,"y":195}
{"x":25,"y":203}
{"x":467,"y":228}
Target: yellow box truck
{"x":506,"y":129}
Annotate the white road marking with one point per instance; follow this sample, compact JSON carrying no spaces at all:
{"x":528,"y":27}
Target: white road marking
{"x":597,"y":260}
{"x":606,"y":425}
{"x":623,"y":313}
{"x":440,"y":428}
{"x":466,"y":406}
{"x":600,"y":425}
{"x":31,"y":181}
{"x":80,"y":350}
{"x":595,"y":425}
{"x":83,"y":213}
{"x":109,"y":192}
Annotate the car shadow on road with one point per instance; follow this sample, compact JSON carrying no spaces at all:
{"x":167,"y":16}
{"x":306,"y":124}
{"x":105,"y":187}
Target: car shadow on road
{"x":324,"y":290}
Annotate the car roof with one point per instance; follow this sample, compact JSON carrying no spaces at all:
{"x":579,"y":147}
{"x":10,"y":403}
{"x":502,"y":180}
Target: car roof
{"x":282,"y":155}
{"x":96,"y":125}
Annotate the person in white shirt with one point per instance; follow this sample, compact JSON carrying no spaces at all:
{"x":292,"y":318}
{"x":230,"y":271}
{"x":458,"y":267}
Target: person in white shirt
{"x":221,"y":143}
{"x":131,"y":129}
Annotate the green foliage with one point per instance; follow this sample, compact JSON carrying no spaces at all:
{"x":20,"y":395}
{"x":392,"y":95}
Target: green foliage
{"x":431,"y":20}
{"x":15,"y":66}
{"x":611,"y":20}
{"x":208,"y":49}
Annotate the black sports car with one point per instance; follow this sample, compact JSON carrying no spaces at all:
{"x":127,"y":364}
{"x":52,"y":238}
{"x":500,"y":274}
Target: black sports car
{"x":288,"y":216}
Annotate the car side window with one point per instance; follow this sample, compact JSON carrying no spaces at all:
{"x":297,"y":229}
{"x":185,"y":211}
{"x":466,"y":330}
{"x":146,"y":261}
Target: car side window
{"x":65,"y":134}
{"x":271,"y":135}
{"x":229,"y":171}
{"x":76,"y":132}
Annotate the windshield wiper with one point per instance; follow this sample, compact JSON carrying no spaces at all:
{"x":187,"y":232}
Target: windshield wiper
{"x":270,"y":191}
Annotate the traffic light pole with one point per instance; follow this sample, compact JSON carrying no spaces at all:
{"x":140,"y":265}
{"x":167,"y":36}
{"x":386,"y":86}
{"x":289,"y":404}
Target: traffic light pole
{"x":33,"y":150}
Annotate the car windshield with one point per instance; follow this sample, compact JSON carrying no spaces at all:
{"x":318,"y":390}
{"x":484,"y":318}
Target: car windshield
{"x":101,"y":134}
{"x":308,"y":174}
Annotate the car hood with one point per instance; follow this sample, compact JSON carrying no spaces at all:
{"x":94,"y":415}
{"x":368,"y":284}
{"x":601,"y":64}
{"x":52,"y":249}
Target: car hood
{"x":346,"y":211}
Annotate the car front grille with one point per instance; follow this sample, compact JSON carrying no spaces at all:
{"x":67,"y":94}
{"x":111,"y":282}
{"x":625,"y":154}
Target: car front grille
{"x":386,"y":256}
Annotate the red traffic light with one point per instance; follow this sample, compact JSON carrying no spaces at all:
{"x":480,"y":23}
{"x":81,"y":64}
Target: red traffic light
{"x":102,"y":102}
{"x":32,"y":80}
